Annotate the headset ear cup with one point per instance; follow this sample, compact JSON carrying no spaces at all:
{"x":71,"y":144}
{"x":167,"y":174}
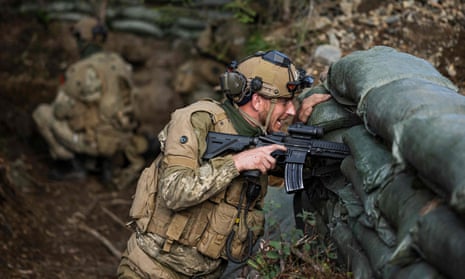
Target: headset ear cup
{"x":233,"y":85}
{"x":255,"y":85}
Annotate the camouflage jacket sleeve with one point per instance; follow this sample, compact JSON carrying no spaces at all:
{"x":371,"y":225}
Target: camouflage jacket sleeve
{"x":182,"y":186}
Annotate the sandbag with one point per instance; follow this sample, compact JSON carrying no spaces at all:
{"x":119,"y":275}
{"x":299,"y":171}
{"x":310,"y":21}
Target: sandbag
{"x":351,"y":173}
{"x":330,"y":115}
{"x":435,"y":147}
{"x":353,"y":76}
{"x":350,"y":200}
{"x":334,"y":135}
{"x":407,"y":98}
{"x":417,"y":270}
{"x":440,"y":238}
{"x":372,"y":158}
{"x":402,"y":200}
{"x":138,"y":27}
{"x":404,"y":253}
{"x":349,"y":170}
{"x":350,"y":252}
{"x":372,"y":218}
{"x":378,"y":253}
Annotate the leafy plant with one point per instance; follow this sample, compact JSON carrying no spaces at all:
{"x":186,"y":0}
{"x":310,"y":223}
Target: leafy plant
{"x":256,"y":42}
{"x":242,"y":10}
{"x":303,"y":257}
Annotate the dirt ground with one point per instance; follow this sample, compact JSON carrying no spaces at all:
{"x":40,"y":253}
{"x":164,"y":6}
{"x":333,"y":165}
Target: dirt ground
{"x":48,"y":229}
{"x":75,"y":229}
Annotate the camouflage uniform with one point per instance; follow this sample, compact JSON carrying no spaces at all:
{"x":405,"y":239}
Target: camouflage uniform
{"x":92,"y":114}
{"x":190,"y":216}
{"x":188,"y":187}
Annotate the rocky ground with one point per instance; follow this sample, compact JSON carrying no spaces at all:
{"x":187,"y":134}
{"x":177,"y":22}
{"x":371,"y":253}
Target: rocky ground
{"x":75,"y":229}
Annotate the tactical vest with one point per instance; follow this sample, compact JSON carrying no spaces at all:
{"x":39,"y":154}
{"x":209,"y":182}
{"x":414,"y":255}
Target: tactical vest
{"x":112,"y":81}
{"x":215,"y":227}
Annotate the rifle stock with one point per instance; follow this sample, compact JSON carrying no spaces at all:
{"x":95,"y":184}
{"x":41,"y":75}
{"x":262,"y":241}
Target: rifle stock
{"x":299,"y":143}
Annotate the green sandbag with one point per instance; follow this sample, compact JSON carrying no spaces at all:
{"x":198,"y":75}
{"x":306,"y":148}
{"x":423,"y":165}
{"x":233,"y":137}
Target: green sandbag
{"x":404,"y":253}
{"x":418,"y":270}
{"x":435,"y":147}
{"x":407,"y":98}
{"x":350,"y":251}
{"x":330,"y":115}
{"x":372,"y":158}
{"x":138,"y":27}
{"x":401,"y":201}
{"x":372,"y":217}
{"x":349,"y":170}
{"x":351,"y":173}
{"x":440,"y":238}
{"x":350,"y":200}
{"x":378,"y":253}
{"x":353,"y":76}
{"x":385,"y":231}
{"x":335,"y":135}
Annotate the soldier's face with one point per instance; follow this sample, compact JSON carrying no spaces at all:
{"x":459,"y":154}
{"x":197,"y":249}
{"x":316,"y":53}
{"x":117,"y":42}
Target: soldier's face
{"x":284,"y":110}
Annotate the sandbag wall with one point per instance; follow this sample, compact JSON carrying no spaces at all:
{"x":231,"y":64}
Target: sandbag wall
{"x":404,"y":190}
{"x":165,"y":19}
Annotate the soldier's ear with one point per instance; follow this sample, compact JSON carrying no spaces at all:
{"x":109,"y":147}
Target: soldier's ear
{"x":257,"y":102}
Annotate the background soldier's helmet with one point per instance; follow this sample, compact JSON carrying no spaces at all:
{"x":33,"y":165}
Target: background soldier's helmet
{"x":89,"y":29}
{"x":270,"y":74}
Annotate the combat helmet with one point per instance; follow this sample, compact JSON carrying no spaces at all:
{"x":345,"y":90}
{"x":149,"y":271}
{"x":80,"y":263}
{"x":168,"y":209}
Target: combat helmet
{"x":270,"y":74}
{"x":89,"y":29}
{"x":90,"y":34}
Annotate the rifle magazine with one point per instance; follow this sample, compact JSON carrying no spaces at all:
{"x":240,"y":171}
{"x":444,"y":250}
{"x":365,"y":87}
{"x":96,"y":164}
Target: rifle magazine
{"x":293,"y":177}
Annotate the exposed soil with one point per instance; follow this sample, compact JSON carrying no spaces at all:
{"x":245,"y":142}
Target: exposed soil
{"x":48,"y":229}
{"x":75,"y":229}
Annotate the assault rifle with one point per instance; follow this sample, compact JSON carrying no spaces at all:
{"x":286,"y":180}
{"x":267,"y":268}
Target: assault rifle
{"x":300,"y":143}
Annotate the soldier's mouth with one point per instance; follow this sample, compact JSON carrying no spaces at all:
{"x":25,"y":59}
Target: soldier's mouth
{"x":279,"y":124}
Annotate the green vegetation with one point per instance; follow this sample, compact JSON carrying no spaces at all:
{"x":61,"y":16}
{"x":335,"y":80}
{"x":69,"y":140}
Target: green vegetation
{"x":302,"y":256}
{"x":242,"y":10}
{"x":256,"y":42}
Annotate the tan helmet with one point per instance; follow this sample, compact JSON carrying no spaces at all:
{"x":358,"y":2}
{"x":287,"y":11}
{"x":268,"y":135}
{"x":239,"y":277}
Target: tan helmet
{"x":89,"y":29}
{"x":270,"y":74}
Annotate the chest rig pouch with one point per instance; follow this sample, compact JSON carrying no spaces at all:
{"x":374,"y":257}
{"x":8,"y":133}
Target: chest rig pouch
{"x":235,"y":222}
{"x":143,"y":203}
{"x":225,"y":226}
